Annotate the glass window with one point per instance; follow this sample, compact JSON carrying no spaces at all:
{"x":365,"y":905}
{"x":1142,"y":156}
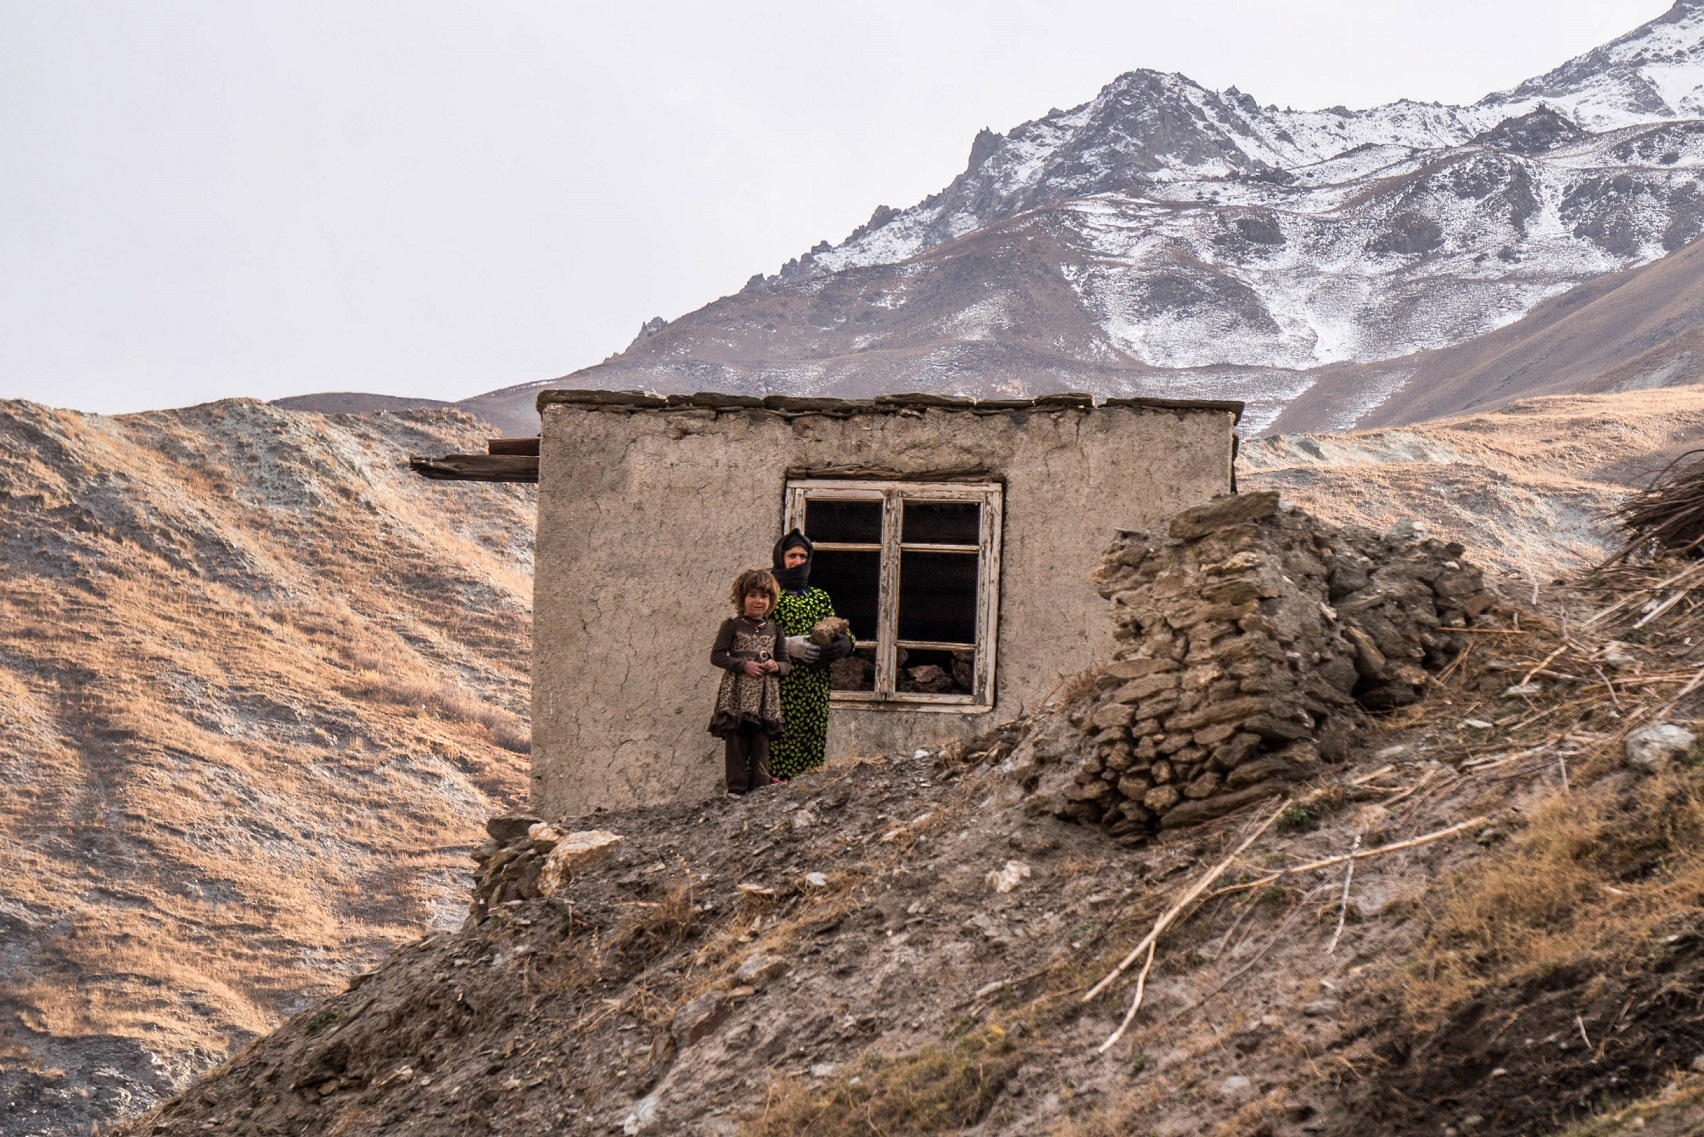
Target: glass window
{"x":914,"y":567}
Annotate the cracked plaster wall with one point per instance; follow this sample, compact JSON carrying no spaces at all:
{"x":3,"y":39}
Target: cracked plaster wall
{"x":645,"y":517}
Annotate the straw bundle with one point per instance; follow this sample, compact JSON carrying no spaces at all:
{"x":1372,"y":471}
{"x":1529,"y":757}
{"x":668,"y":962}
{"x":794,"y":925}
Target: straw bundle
{"x":1668,"y":516}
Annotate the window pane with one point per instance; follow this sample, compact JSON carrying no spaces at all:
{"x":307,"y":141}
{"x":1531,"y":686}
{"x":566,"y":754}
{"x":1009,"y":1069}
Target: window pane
{"x":937,"y":672}
{"x":844,"y":522}
{"x":857,"y":672}
{"x":853,"y":582}
{"x":937,"y":597}
{"x":942,"y":522}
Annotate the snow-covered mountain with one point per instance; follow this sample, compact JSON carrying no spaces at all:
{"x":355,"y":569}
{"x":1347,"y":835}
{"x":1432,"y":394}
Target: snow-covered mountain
{"x":1167,"y":239}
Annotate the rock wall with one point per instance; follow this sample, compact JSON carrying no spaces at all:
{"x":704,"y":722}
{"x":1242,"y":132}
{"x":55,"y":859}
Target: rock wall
{"x":1253,"y":640}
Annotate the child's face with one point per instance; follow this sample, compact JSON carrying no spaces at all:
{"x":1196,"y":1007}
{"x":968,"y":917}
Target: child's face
{"x":756,"y":605}
{"x":794,"y":557}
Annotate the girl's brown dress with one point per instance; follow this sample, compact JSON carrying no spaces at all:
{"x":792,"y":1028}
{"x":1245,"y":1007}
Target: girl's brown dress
{"x":747,"y":702}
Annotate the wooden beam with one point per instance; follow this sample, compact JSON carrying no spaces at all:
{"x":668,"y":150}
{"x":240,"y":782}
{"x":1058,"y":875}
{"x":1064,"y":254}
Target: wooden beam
{"x":477,"y":468}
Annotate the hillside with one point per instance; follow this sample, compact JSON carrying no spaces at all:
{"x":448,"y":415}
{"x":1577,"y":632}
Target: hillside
{"x":1635,"y":330}
{"x":1524,"y":487}
{"x":259,"y":688}
{"x":1475,"y":914}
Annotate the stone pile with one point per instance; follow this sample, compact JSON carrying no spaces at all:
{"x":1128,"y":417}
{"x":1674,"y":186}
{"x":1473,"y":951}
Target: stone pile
{"x":1253,"y":641}
{"x":524,"y":858}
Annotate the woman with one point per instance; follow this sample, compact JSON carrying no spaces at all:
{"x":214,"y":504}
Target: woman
{"x":804,"y":689}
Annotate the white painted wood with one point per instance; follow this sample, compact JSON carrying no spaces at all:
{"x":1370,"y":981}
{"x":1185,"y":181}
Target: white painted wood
{"x":990,"y":496}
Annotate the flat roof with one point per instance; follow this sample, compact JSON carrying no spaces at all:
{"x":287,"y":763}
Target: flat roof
{"x":881,"y":404}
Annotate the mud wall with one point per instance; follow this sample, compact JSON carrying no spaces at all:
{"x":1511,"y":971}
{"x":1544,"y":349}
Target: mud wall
{"x":647,"y":511}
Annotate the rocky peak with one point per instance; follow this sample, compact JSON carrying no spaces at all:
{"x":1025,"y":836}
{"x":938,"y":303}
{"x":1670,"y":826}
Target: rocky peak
{"x":1542,"y":129}
{"x":1649,"y":73}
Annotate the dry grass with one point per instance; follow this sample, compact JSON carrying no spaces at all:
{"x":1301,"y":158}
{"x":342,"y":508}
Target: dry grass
{"x":450,"y":703}
{"x":1598,"y":875}
{"x":940,"y":1088}
{"x":1677,"y":1111}
{"x":191,"y":600}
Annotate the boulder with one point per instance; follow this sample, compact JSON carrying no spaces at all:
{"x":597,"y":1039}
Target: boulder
{"x":1235,"y":509}
{"x":511,"y":828}
{"x":573,"y":853}
{"x":1652,"y":749}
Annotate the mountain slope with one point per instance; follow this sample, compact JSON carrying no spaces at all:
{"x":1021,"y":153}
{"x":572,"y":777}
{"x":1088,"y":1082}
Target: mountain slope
{"x":259,"y":688}
{"x":1167,"y":239}
{"x":1635,"y":330}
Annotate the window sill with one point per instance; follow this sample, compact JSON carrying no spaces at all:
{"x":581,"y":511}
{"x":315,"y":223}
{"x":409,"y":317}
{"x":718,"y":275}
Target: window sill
{"x":938,"y":704}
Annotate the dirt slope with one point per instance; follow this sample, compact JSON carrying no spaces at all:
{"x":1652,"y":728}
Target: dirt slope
{"x":259,"y":687}
{"x":1524,"y":487}
{"x":901,"y":945}
{"x":247,"y":745}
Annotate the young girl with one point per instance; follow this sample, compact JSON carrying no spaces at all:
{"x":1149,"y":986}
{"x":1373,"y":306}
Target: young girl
{"x":752,"y":649}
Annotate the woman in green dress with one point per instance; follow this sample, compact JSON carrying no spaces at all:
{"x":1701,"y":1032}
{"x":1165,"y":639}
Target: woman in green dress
{"x":804,"y":689}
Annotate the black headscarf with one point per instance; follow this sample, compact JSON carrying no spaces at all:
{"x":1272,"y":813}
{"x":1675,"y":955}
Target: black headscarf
{"x":793,"y":579}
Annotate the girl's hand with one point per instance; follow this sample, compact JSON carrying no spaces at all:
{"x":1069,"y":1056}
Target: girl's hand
{"x":772,"y":666}
{"x":754,"y":669}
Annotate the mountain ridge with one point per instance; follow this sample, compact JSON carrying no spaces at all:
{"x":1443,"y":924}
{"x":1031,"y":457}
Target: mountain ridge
{"x":1164,"y":239}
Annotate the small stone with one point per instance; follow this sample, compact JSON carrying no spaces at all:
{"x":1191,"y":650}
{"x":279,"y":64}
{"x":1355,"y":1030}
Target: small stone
{"x":1160,"y":798}
{"x":759,"y":970}
{"x":1161,"y":772}
{"x":643,"y":1114}
{"x":1005,"y":879}
{"x":510,"y":828}
{"x":544,"y":836}
{"x":1127,"y":669}
{"x":1202,"y":787}
{"x":1407,"y":532}
{"x":1698,"y":1063}
{"x":816,"y":880}
{"x":1319,"y":1009}
{"x":574,"y":852}
{"x":1650,"y":750}
{"x":1476,"y":724}
{"x":1236,"y":1086}
{"x":1114,"y":715}
{"x":1234,"y":509}
{"x":824,"y":1070}
{"x":1261,"y":770}
{"x":1523,"y":691}
{"x":803,"y":819}
{"x":698,"y":1018}
{"x":1214,"y":735}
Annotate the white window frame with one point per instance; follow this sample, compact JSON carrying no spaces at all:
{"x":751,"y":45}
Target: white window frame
{"x":893,"y":495}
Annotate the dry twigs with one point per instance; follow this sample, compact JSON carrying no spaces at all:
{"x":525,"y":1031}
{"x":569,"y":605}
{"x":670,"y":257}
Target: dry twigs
{"x":1343,"y":905}
{"x":1363,"y":854}
{"x":1175,"y":910}
{"x":1669,"y":515}
{"x":1135,"y":1004}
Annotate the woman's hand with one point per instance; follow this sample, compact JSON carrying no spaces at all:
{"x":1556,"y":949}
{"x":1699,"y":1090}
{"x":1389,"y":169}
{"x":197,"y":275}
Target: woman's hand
{"x":753,"y":669}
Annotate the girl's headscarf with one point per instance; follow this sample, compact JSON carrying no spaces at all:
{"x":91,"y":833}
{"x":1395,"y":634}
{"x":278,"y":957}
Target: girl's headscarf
{"x":793,"y":579}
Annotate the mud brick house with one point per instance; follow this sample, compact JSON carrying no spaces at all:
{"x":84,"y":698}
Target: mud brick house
{"x":958,"y":537}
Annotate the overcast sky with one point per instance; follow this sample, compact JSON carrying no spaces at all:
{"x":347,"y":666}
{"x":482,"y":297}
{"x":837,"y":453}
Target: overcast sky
{"x":231,"y":197}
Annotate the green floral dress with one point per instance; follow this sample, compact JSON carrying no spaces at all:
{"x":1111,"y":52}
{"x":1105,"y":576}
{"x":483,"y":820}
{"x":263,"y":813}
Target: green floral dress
{"x":804,"y":689}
